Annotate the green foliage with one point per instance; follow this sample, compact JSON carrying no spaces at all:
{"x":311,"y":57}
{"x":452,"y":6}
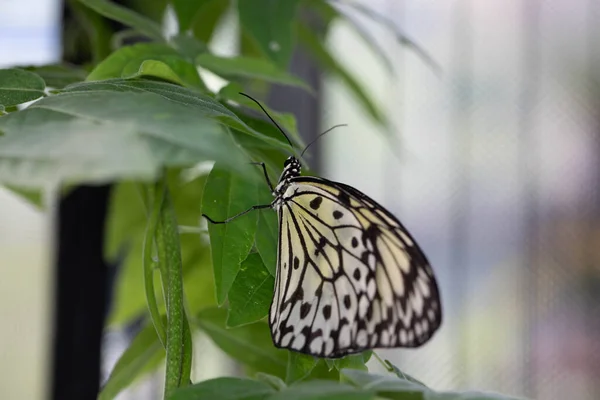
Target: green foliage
{"x":19,"y":86}
{"x":142,"y":118}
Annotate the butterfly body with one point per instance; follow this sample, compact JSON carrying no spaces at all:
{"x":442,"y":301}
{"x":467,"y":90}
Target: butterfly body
{"x":349,"y":276}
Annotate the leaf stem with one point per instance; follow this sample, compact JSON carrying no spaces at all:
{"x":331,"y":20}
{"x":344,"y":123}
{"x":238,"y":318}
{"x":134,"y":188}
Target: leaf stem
{"x":178,"y":343}
{"x":155,"y":197}
{"x":385,"y":364}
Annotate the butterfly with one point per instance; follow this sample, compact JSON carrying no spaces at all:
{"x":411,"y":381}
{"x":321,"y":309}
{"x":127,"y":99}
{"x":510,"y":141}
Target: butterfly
{"x":349,"y":276}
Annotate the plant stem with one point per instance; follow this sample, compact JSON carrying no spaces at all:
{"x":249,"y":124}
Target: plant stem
{"x":179,"y":345}
{"x":385,"y":364}
{"x":155,"y":197}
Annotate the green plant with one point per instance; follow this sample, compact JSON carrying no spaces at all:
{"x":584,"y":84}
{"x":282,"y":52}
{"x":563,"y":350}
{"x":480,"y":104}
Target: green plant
{"x":143,"y":117}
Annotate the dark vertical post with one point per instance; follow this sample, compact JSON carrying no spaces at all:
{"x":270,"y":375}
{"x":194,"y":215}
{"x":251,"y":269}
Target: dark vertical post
{"x":80,"y":293}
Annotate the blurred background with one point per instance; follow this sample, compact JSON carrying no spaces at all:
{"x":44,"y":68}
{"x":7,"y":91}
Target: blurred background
{"x":493,"y":164}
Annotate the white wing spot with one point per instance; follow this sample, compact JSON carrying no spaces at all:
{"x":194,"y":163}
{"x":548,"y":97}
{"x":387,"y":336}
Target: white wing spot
{"x":361,"y":338}
{"x":298,"y":342}
{"x":316,"y":345}
{"x":384,"y":338}
{"x":431,"y":315}
{"x":403,"y":336}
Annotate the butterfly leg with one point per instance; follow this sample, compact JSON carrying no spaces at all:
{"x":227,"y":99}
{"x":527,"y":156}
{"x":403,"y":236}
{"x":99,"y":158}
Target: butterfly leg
{"x":262,"y":164}
{"x":237,"y":215}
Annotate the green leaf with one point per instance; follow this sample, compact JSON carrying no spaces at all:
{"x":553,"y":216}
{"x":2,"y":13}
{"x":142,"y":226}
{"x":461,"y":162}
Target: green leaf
{"x":266,"y":239}
{"x":270,"y":24}
{"x":134,"y":134}
{"x":322,"y":390}
{"x":299,"y":366}
{"x":233,"y":68}
{"x":32,"y":196}
{"x":467,"y":396}
{"x":126,"y":16}
{"x":225,"y":389}
{"x":186,"y":10}
{"x":249,"y":344}
{"x":198,"y":102}
{"x":353,"y":361}
{"x":385,"y":386}
{"x":58,"y":75}
{"x":126,"y":218}
{"x":19,"y":86}
{"x":402,"y":389}
{"x":144,"y":351}
{"x":60,"y":152}
{"x":127,"y":61}
{"x":275,"y":382}
{"x":208,"y":18}
{"x":273,"y":157}
{"x":317,"y":49}
{"x":152,"y":68}
{"x":251,"y":293}
{"x":287,"y":121}
{"x":225,"y":195}
{"x":187,"y":46}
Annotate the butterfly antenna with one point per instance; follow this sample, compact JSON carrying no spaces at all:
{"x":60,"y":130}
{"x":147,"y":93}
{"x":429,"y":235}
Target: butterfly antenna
{"x":318,"y":137}
{"x":272,"y":120}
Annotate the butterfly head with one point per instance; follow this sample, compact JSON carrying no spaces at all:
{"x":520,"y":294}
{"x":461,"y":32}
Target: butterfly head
{"x":291,"y":169}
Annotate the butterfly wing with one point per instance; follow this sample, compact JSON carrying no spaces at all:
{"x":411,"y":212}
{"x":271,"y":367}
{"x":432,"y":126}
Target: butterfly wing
{"x":349,"y":276}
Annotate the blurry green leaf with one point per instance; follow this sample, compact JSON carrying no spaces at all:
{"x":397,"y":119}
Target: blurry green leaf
{"x":275,"y":382}
{"x":299,"y":366}
{"x":126,"y":219}
{"x":134,"y":134}
{"x":196,"y":102}
{"x":224,"y":389}
{"x":126,"y":16}
{"x":225,"y":195}
{"x":353,"y":361}
{"x":144,"y":350}
{"x":270,"y":24}
{"x":249,"y":344}
{"x":32,"y":196}
{"x":400,"y":374}
{"x":385,"y":386}
{"x":388,"y":23}
{"x":329,"y":10}
{"x":251,"y":293}
{"x":316,"y":47}
{"x":153,"y":68}
{"x":188,"y":46}
{"x":186,"y":10}
{"x":330,"y":363}
{"x":128,"y":60}
{"x":322,"y":390}
{"x":60,"y":152}
{"x":431,"y":395}
{"x":19,"y":86}
{"x":58,"y":75}
{"x":208,"y":17}
{"x":249,"y":68}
